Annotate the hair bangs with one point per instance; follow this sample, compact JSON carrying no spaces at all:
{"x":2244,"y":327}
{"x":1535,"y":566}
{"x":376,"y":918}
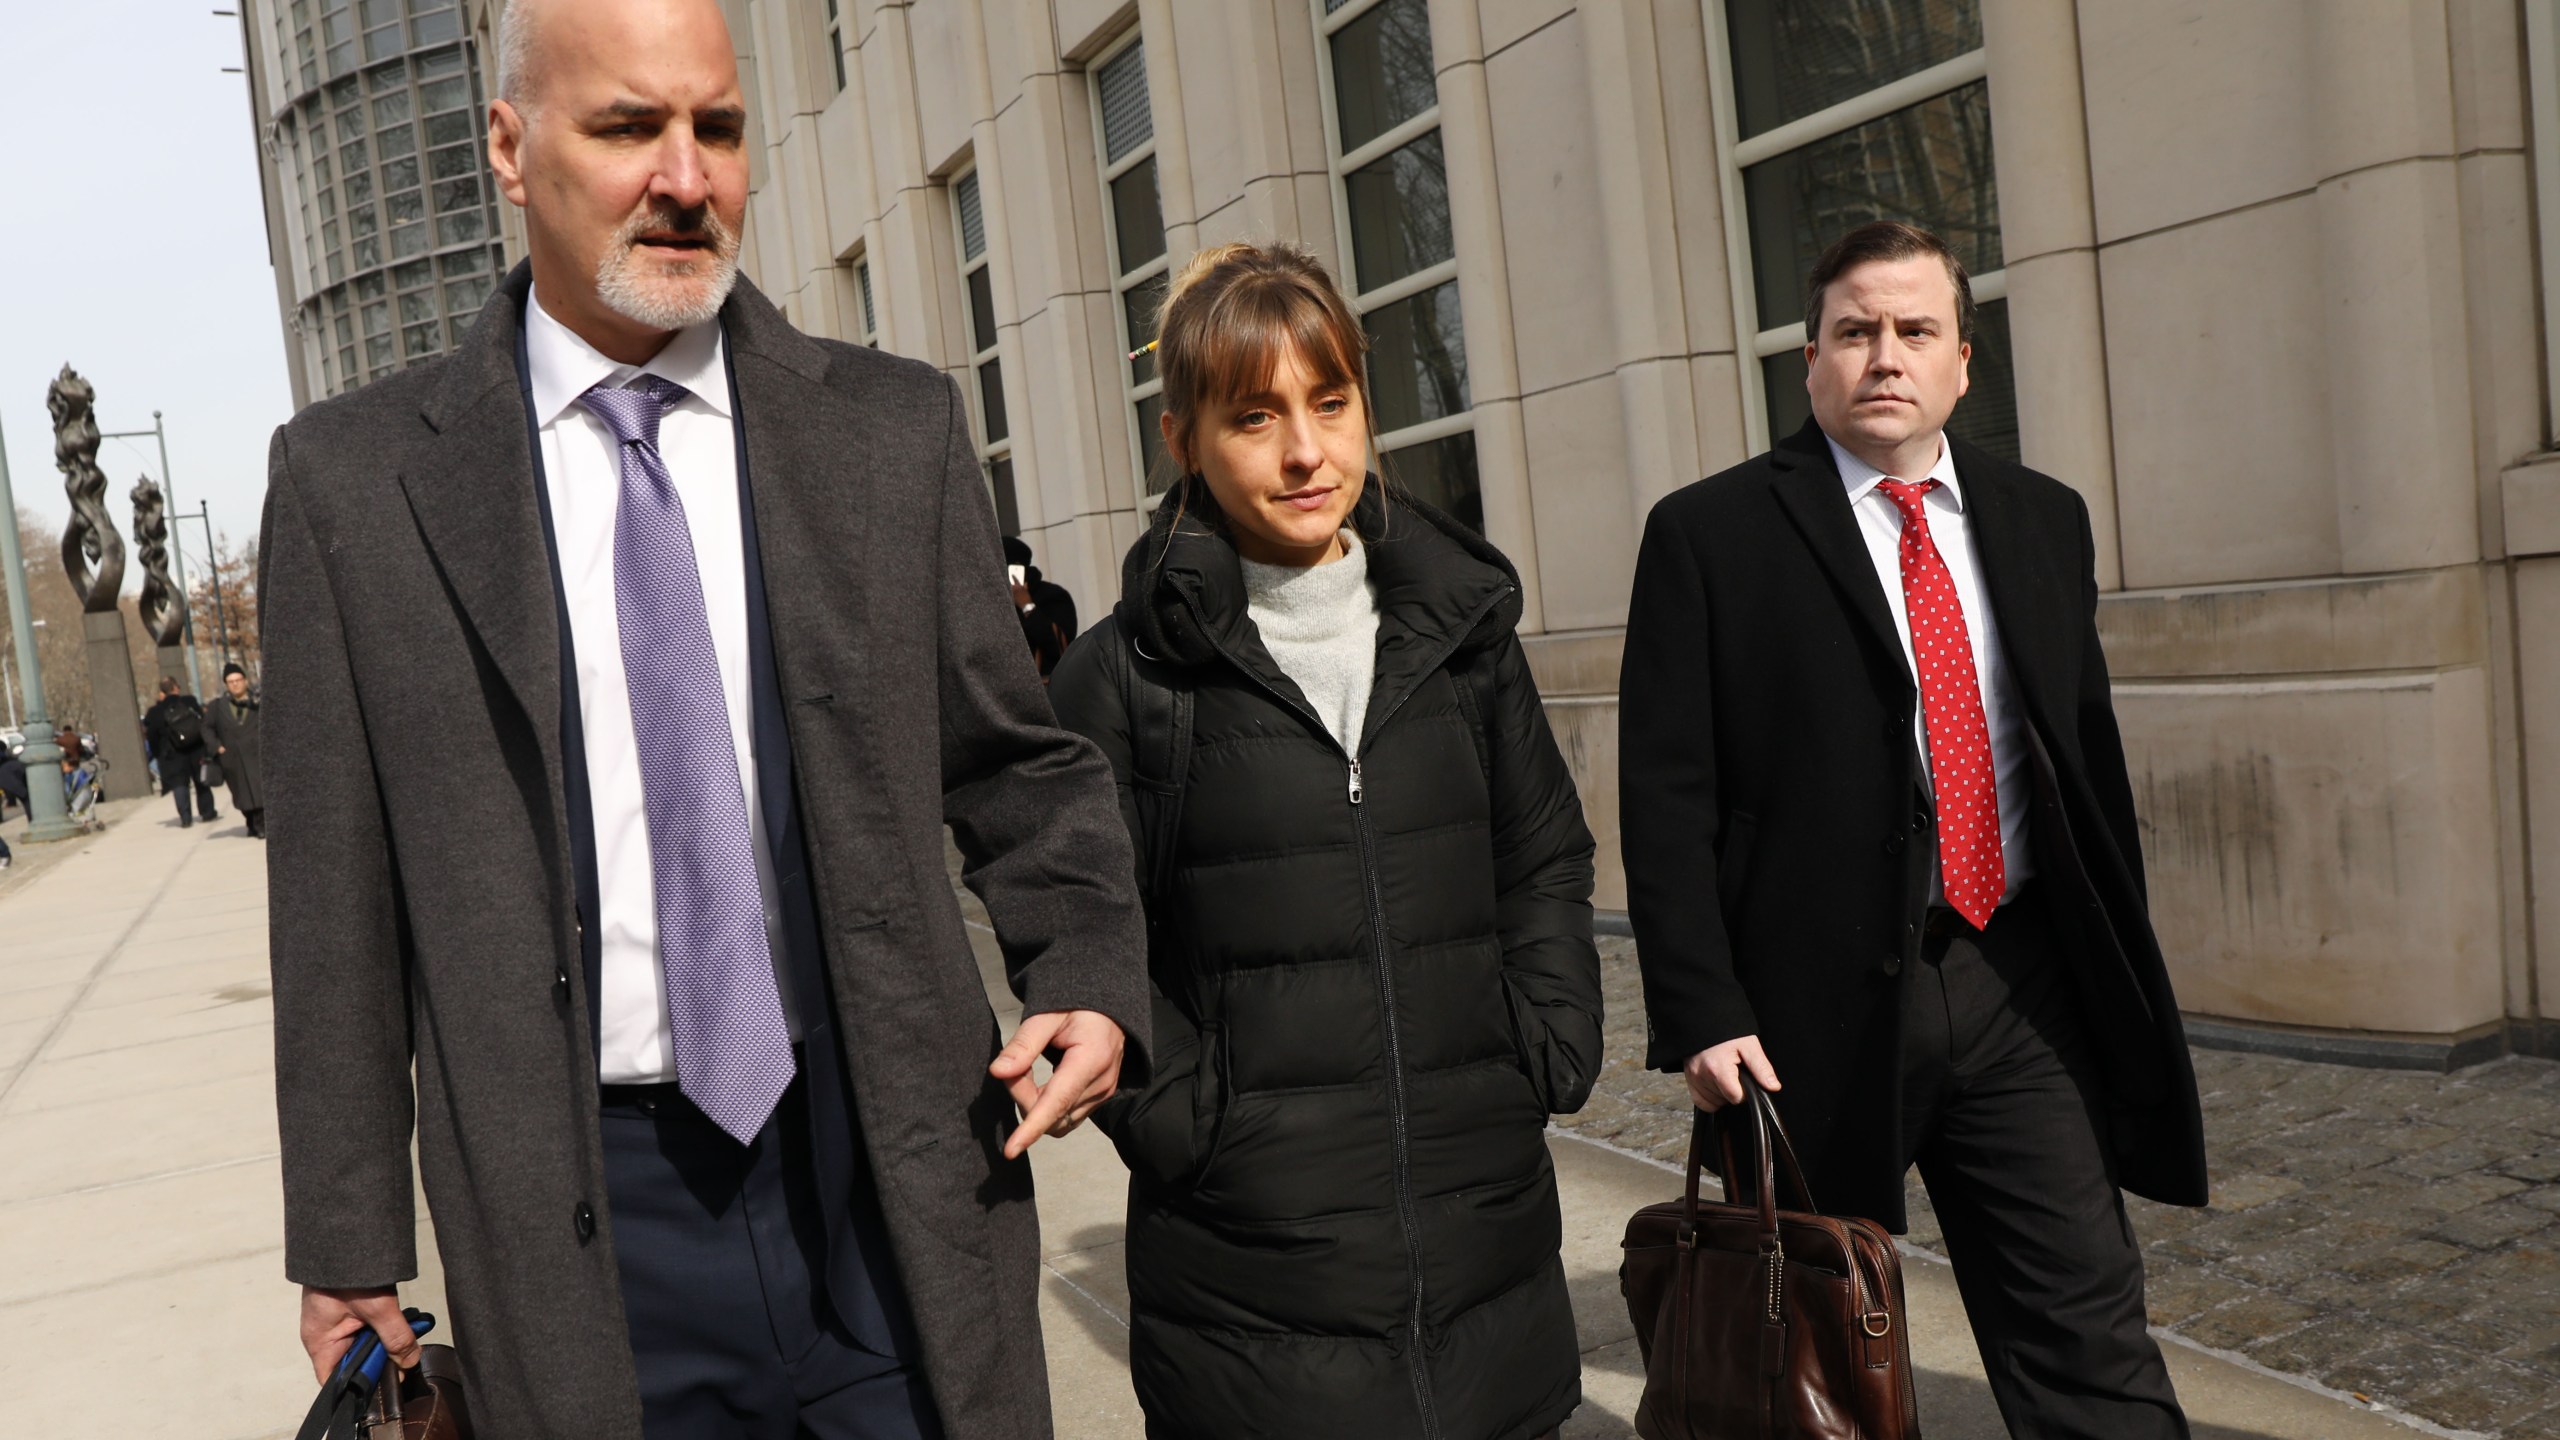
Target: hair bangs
{"x":1256,"y":326}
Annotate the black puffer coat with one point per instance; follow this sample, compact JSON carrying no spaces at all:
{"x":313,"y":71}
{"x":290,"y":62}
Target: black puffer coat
{"x":1374,"y":985}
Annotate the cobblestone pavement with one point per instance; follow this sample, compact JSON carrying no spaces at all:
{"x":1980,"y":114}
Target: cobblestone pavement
{"x":2389,"y":1234}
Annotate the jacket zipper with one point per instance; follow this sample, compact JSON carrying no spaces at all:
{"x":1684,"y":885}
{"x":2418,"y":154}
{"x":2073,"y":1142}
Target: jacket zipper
{"x":1417,"y":1360}
{"x":1356,"y":789}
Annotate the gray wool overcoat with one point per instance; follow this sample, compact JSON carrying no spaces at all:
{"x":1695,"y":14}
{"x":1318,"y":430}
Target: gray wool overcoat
{"x":421,"y":891}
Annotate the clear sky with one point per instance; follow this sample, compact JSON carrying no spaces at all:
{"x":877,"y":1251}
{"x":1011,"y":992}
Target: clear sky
{"x":138,"y":253}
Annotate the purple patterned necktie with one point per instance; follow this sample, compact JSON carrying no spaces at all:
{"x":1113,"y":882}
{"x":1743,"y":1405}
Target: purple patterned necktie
{"x":733,"y":1048}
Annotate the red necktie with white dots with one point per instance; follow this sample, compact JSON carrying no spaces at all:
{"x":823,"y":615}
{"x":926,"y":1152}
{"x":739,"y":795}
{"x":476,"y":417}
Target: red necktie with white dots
{"x":1968,"y":793}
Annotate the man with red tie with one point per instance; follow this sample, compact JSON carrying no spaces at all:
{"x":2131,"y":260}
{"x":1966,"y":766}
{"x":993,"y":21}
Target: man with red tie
{"x":1881,"y":848}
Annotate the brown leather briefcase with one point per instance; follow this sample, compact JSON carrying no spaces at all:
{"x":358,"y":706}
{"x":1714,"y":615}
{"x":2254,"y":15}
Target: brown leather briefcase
{"x":426,"y":1403}
{"x":1762,"y":1323}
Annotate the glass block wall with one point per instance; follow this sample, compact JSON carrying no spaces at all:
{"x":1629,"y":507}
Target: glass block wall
{"x":378,"y":138}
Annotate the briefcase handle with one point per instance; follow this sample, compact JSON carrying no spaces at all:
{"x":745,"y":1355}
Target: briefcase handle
{"x":1774,"y":1152}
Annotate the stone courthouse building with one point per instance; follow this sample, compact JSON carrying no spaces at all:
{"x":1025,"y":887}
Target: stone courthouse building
{"x":2268,"y":281}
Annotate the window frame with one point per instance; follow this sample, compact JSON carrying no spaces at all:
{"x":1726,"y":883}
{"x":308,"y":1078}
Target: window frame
{"x":974,"y":360}
{"x":864,"y":311}
{"x":1734,"y":155}
{"x":1134,"y":395}
{"x":2542,"y":99}
{"x":1340,"y":167}
{"x":831,"y":26}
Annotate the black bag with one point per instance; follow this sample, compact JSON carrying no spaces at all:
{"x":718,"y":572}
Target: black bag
{"x":186,"y":728}
{"x":421,"y":1404}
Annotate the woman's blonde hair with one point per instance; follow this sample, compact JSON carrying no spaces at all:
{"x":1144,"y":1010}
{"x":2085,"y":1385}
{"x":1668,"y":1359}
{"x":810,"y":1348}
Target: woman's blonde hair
{"x":1234,"y":313}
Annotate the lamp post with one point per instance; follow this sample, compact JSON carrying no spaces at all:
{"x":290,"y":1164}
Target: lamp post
{"x":221,"y":616}
{"x":48,"y":813}
{"x":9,"y":682}
{"x":177,"y":552}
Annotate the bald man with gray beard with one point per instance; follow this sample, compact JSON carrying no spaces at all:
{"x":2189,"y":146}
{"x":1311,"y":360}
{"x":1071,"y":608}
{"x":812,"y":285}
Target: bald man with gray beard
{"x":708,"y":1101}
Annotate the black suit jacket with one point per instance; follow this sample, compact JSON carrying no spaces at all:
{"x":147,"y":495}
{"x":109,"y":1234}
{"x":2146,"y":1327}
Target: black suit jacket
{"x":1778,"y":834}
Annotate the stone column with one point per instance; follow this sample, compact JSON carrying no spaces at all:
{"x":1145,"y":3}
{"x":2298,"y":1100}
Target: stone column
{"x":1631,"y":144}
{"x":2390,"y":265}
{"x":114,"y":708}
{"x":1484,"y":295}
{"x":2048,"y":237}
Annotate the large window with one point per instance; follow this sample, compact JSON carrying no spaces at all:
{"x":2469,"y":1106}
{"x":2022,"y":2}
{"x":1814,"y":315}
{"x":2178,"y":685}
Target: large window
{"x":382,"y":153}
{"x":1839,"y":112}
{"x":1391,"y":205}
{"x":1133,"y":237}
{"x":986,"y":388}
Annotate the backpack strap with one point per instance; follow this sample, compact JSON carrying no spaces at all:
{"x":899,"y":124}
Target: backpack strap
{"x":1159,"y":712}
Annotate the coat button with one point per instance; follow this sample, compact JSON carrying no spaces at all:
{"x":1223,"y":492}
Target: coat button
{"x":1920,"y":823}
{"x":1893,"y":844}
{"x":584,"y":1222}
{"x":560,"y":988}
{"x":1889,"y":966}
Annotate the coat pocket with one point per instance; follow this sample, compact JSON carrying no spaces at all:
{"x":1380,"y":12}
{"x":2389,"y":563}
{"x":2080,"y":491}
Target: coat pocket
{"x":1208,"y":1105}
{"x":1167,"y":1131}
{"x":1556,"y":1082}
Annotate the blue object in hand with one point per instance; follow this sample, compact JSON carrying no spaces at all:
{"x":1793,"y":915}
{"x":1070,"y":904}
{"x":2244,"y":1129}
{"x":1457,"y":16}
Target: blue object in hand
{"x":342,"y":1401}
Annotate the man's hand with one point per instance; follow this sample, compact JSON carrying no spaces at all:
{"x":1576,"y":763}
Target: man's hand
{"x":331,"y":1319}
{"x":1715,"y":1076}
{"x":1086,"y":1071}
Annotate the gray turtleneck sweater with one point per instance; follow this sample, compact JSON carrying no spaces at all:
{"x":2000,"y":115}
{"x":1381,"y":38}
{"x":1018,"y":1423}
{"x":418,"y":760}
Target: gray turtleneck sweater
{"x":1320,"y":623}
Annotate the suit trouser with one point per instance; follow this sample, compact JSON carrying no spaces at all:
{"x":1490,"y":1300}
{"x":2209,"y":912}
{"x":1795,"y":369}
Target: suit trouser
{"x":2004,"y":1111}
{"x":183,"y":778}
{"x":731,"y":1330}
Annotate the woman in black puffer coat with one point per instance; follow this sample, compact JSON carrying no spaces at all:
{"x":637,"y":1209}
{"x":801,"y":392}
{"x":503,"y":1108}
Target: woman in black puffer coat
{"x":1373,"y":960}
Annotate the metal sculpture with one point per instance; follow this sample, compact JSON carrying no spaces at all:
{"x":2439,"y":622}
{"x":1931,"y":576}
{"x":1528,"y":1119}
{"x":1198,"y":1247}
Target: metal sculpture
{"x":164,"y":607}
{"x":93,"y":561}
{"x":92,"y":551}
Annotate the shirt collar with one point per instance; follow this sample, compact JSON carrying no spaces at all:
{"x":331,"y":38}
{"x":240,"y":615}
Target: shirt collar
{"x":565,"y":366}
{"x":1860,"y":478}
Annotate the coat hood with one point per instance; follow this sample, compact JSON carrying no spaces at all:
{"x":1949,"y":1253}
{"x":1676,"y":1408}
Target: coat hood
{"x":1182,"y":587}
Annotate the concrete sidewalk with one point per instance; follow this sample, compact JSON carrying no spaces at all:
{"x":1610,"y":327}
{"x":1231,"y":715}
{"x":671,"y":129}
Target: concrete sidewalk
{"x":141,"y":1259}
{"x":141,"y":1210}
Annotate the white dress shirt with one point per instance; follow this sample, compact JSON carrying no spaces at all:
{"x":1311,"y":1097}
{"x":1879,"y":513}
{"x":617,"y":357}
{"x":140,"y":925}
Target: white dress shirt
{"x":583,"y":487}
{"x":1880,"y":523}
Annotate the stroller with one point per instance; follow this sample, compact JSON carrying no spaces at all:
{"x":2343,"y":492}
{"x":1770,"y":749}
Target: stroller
{"x":84,"y":785}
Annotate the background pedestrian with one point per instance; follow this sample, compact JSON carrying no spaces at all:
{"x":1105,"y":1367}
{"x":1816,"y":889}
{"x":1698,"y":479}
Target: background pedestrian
{"x":232,"y":726}
{"x":174,"y":729}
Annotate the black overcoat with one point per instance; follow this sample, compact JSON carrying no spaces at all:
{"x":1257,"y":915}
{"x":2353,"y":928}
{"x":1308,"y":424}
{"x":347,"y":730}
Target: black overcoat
{"x":421,"y":887}
{"x":235,"y":726}
{"x":1777,"y":828}
{"x":159,"y":733}
{"x":1373,"y":987}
